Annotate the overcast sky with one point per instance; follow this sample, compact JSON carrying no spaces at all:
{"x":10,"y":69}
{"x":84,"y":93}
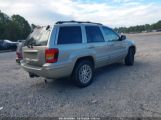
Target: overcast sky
{"x":114,"y":13}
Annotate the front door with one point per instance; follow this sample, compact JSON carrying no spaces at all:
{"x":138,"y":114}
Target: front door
{"x":116,"y":47}
{"x":97,"y":44}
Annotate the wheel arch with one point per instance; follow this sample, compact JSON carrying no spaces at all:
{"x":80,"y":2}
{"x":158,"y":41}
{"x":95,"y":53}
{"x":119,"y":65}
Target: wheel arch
{"x":75,"y":71}
{"x":89,"y":58}
{"x":132,"y":47}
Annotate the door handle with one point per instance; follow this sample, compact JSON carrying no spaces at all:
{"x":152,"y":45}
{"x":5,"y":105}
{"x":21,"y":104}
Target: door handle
{"x":91,"y":47}
{"x":111,"y":44}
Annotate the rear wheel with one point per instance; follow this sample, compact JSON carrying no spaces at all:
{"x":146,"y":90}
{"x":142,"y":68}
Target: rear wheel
{"x":83,"y":73}
{"x":129,"y":60}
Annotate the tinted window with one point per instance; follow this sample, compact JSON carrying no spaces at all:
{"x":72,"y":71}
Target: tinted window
{"x":69,"y":35}
{"x":94,"y":34}
{"x":110,"y":35}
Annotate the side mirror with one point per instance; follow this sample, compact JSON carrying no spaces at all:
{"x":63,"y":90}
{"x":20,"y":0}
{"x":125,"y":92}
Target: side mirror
{"x":123,"y":37}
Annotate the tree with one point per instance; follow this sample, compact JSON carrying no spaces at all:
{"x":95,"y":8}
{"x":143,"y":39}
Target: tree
{"x":4,"y":23}
{"x":33,"y":26}
{"x":22,"y":27}
{"x":14,"y":28}
{"x":140,"y":28}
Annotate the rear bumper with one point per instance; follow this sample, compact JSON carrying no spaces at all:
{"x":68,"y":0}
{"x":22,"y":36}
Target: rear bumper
{"x":48,"y":70}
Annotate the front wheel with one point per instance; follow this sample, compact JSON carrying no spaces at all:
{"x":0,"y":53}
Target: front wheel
{"x":83,"y":73}
{"x":129,"y":60}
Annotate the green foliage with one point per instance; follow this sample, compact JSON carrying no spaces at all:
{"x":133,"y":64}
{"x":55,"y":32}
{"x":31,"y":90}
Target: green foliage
{"x":139,"y":28}
{"x":13,"y":28}
{"x":33,"y":26}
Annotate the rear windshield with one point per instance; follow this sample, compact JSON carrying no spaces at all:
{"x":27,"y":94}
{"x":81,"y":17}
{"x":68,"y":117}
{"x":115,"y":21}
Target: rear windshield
{"x":39,"y":37}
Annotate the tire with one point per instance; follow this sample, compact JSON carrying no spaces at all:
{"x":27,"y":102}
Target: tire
{"x":129,"y":60}
{"x":83,"y":73}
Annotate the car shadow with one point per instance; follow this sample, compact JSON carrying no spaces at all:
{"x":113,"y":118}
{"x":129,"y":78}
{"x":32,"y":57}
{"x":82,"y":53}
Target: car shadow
{"x":108,"y":68}
{"x":66,"y":84}
{"x":108,"y":80}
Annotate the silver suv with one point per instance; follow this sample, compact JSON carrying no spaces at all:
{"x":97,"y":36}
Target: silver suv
{"x":76,"y":49}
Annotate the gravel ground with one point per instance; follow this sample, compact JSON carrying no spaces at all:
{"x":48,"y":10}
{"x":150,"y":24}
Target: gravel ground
{"x":117,"y":91}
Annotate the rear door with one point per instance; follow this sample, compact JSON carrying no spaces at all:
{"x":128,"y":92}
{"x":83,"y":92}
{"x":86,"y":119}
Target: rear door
{"x":34,"y":47}
{"x":70,"y":43}
{"x":96,"y":43}
{"x":117,"y":48}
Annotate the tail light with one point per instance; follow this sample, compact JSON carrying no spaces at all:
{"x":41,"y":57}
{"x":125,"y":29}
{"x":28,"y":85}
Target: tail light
{"x":51,"y":55}
{"x":19,"y":55}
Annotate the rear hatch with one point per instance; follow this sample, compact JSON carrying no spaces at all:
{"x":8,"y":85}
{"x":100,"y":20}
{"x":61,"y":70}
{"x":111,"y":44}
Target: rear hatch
{"x":35,"y":45}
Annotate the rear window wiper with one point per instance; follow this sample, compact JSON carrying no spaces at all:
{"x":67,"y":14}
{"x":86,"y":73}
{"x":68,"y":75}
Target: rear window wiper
{"x":31,"y":43}
{"x":41,"y":43}
{"x":38,"y":44}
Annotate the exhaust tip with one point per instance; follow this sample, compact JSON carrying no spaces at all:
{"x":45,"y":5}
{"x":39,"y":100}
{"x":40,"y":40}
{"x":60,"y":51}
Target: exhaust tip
{"x":32,"y":75}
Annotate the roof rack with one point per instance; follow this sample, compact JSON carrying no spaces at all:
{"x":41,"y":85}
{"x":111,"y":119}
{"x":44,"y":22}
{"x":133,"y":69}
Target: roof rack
{"x":72,"y":21}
